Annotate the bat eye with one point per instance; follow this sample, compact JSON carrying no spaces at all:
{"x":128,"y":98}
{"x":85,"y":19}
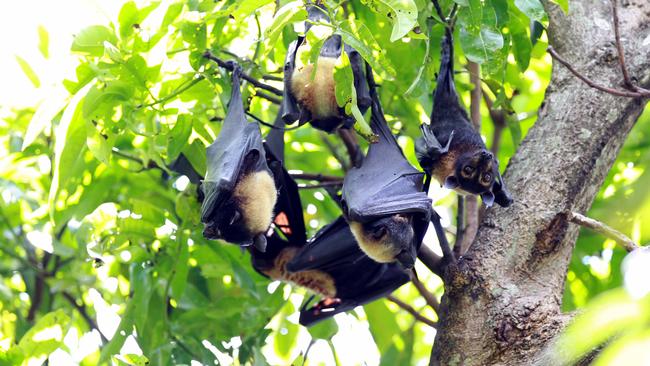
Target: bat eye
{"x":468,"y":170}
{"x":379,"y":232}
{"x":487,"y":177}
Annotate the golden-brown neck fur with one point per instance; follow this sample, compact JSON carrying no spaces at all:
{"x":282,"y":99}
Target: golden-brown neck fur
{"x":315,"y":91}
{"x":317,"y":281}
{"x":256,"y":195}
{"x":380,"y":251}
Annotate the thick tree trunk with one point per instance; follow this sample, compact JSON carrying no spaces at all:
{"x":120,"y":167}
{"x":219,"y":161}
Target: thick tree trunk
{"x":502,"y":302}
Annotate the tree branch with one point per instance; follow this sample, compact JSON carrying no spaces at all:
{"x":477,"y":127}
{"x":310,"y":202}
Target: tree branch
{"x":619,"y":49}
{"x":431,"y":260}
{"x":250,"y":79}
{"x":320,"y":185}
{"x":621,"y":93}
{"x":426,"y":294}
{"x":603,"y":229}
{"x":409,"y":309}
{"x":316,"y":177}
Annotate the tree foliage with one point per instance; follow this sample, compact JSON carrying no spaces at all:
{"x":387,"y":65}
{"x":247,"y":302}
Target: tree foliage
{"x":101,"y":240}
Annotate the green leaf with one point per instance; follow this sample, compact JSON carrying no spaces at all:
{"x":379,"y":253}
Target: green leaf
{"x":99,"y":145}
{"x":130,"y":16}
{"x":124,"y":330}
{"x":324,"y":330}
{"x":113,"y":92}
{"x":171,"y":14}
{"x":43,"y":41}
{"x":178,"y":136}
{"x":195,"y":153}
{"x":43,"y":117}
{"x":29,"y":72}
{"x":383,"y":325}
{"x":181,"y":269}
{"x":346,"y":95}
{"x":91,"y":40}
{"x":402,"y":13}
{"x":532,"y":8}
{"x":113,"y":53}
{"x":46,"y":336}
{"x":478,"y":47}
{"x":69,"y":141}
{"x":564,"y":5}
{"x":521,"y":44}
{"x":378,"y":63}
{"x":244,"y":8}
{"x":291,"y":12}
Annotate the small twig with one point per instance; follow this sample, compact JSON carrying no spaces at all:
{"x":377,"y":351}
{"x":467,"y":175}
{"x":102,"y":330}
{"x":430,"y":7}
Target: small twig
{"x":436,"y":6}
{"x":460,"y":226}
{"x":84,"y":314}
{"x":151,"y":165}
{"x":603,"y":229}
{"x":621,"y":93}
{"x":426,"y":294}
{"x":268,"y":97}
{"x":431,"y":260}
{"x":619,"y":49}
{"x":352,"y":145}
{"x":498,"y":118}
{"x":272,"y":77}
{"x":320,"y":185}
{"x":250,"y":79}
{"x":173,"y":94}
{"x":448,"y":255}
{"x":335,"y":152}
{"x":316,"y":177}
{"x":409,"y":309}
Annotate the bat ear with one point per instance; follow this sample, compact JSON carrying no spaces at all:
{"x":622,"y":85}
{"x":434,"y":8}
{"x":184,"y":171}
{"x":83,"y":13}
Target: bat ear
{"x":260,"y":243}
{"x":501,"y":196}
{"x":488,"y":198}
{"x":451,"y":182}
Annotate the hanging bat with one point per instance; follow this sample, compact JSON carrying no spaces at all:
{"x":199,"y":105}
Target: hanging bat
{"x":383,"y":199}
{"x":288,"y":232}
{"x":332,"y":266}
{"x":239,"y":188}
{"x":309,"y":94}
{"x":450,"y":149}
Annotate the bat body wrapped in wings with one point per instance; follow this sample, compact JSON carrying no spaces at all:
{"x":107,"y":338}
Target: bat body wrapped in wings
{"x":383,"y":199}
{"x":331,"y":264}
{"x":450,"y":149}
{"x":309,"y":94}
{"x":238,"y":187}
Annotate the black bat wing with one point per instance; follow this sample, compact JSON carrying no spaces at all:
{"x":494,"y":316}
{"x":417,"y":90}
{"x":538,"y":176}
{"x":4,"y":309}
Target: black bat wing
{"x":290,"y":110}
{"x":357,"y":278}
{"x":390,"y":279}
{"x":386,"y":183}
{"x":238,"y":140}
{"x":288,"y":220}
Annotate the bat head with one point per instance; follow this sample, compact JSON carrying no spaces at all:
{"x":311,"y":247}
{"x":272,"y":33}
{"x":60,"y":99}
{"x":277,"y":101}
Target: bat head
{"x":477,"y":173}
{"x":228,"y":224}
{"x":387,"y":239}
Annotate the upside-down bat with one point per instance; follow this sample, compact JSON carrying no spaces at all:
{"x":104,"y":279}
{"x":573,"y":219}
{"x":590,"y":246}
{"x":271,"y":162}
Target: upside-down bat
{"x":383,"y":199}
{"x":239,"y":188}
{"x":309,"y":94}
{"x":450,"y":149}
{"x":331,"y":264}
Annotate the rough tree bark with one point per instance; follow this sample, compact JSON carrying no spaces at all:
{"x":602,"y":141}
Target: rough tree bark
{"x":502,"y":301}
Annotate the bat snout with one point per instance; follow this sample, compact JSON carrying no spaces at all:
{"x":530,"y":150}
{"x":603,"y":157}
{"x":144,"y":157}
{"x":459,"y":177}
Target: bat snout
{"x":405,"y":259}
{"x":211,"y":232}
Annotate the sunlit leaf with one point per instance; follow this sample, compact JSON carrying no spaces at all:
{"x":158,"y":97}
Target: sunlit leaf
{"x":91,"y":40}
{"x":29,"y":72}
{"x":402,"y":13}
